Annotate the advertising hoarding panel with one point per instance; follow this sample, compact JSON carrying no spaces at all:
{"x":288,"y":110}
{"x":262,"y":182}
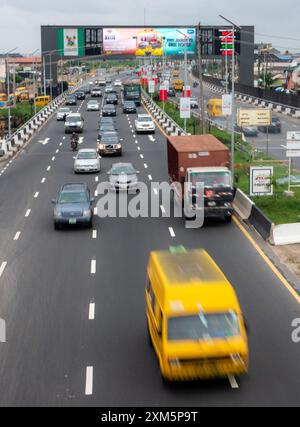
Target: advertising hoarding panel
{"x":149,"y":41}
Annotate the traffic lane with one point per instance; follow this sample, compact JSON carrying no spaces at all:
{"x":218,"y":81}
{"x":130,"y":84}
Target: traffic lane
{"x":47,"y":310}
{"x":234,"y":234}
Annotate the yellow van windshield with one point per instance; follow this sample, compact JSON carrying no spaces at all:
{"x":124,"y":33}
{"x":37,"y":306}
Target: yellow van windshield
{"x":203,"y":327}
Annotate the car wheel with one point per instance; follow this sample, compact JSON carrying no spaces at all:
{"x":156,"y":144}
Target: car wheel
{"x":57,"y":226}
{"x":228,"y":219}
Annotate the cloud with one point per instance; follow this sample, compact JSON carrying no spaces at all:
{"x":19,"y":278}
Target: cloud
{"x":24,"y":17}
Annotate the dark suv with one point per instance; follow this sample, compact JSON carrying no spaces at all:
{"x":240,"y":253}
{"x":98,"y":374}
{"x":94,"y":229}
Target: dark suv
{"x":275,"y":126}
{"x":80,"y":95}
{"x":71,"y":100}
{"x":73,"y":206}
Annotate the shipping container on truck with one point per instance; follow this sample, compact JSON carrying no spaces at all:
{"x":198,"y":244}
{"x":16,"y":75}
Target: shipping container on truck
{"x":132,"y":91}
{"x":201,"y":158}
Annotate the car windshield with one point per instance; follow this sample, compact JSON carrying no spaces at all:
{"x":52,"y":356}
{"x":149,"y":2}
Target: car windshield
{"x":203,"y":327}
{"x":73,"y":119}
{"x":73,"y":197}
{"x":108,"y":107}
{"x":109,"y":139}
{"x":87,"y":155}
{"x":93,"y":102}
{"x":144,"y":119}
{"x":64,"y":110}
{"x":212,"y":179}
{"x":123,"y":170}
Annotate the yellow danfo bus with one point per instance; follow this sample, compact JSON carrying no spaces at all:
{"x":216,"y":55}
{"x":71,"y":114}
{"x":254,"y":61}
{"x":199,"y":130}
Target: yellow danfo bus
{"x":195,"y":323}
{"x":214,"y":107}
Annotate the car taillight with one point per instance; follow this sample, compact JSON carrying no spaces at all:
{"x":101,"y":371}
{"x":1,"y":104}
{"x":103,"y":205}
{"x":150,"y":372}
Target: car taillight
{"x":209,"y":193}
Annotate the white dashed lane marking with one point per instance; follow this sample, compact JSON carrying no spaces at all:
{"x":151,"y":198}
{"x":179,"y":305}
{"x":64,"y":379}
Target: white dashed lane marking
{"x":150,"y":177}
{"x":94,"y":235}
{"x":2,"y":267}
{"x":43,"y":180}
{"x":17,"y":235}
{"x":233,"y":382}
{"x":93,"y":266}
{"x":48,"y":168}
{"x":145,"y":166}
{"x":53,"y":158}
{"x":92,"y":311}
{"x":27,"y":212}
{"x":36,"y":195}
{"x":171,"y":231}
{"x":89,"y":380}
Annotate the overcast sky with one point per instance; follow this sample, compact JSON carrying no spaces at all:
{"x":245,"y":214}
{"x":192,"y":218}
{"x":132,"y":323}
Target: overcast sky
{"x":21,"y":19}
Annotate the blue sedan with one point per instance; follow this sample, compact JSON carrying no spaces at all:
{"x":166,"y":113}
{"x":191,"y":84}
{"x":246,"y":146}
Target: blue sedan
{"x":73,"y":206}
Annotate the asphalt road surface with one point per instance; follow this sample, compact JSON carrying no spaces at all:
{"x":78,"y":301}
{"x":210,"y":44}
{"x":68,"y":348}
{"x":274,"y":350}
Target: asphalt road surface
{"x":73,"y":300}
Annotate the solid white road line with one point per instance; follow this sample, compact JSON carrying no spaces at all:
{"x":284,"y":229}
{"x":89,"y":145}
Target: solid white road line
{"x":93,"y":266}
{"x":96,"y":178}
{"x":43,"y":180}
{"x":36,"y":195}
{"x":95,"y":211}
{"x":17,"y":235}
{"x":89,"y":380}
{"x":53,"y":158}
{"x":57,"y":151}
{"x":145,"y":166}
{"x":48,"y":168}
{"x":150,"y":177}
{"x":233,"y":382}
{"x":2,"y":267}
{"x":171,"y":231}
{"x":92,"y":311}
{"x":28,"y":212}
{"x":94,"y":234}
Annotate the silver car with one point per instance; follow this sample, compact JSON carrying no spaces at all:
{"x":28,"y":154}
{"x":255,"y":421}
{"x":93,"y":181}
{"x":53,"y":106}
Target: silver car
{"x":93,"y":106}
{"x":87,"y":160}
{"x":123,"y":177}
{"x":62,"y":113}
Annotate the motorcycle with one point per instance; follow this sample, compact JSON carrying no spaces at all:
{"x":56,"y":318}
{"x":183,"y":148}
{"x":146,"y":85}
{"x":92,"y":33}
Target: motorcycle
{"x":195,"y":84}
{"x":74,"y":144}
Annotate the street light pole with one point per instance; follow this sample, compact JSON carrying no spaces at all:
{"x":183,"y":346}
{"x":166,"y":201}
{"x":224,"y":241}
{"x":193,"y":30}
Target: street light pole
{"x":34,"y":77}
{"x":8,"y":89}
{"x":234,"y":26}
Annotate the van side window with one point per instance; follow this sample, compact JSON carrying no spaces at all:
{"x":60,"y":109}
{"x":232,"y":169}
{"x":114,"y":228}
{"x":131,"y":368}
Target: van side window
{"x":151,"y":295}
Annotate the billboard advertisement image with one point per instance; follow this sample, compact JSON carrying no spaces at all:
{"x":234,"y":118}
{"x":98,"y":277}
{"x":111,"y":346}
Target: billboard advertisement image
{"x":149,"y":41}
{"x":71,"y":42}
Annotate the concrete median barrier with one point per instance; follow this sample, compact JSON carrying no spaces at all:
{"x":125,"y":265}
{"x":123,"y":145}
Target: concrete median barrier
{"x":285,"y":234}
{"x":242,"y":204}
{"x":261,"y":222}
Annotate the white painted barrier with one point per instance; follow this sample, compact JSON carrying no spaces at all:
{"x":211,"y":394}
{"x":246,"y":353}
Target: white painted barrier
{"x":285,"y":234}
{"x":242,"y":204}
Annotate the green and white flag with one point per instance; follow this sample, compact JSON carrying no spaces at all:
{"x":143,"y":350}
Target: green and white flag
{"x":70,"y":41}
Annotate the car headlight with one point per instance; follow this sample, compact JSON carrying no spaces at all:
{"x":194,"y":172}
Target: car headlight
{"x":119,"y":146}
{"x":57,"y":213}
{"x":101,"y":146}
{"x":79,"y":123}
{"x":87,"y":212}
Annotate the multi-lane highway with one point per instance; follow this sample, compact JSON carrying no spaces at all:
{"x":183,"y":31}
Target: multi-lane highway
{"x":73,"y":300}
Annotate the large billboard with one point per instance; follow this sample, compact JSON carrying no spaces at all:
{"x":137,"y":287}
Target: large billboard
{"x":149,"y":41}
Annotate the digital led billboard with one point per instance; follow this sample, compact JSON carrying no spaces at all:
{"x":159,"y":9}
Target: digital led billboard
{"x":149,"y":41}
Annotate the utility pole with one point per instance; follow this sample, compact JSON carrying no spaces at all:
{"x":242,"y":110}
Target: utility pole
{"x":234,"y":26}
{"x":44,"y":73}
{"x":8,"y":100}
{"x":199,"y":66}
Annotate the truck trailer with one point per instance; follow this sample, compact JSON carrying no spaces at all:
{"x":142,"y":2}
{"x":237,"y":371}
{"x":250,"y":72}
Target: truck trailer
{"x":201,"y":159}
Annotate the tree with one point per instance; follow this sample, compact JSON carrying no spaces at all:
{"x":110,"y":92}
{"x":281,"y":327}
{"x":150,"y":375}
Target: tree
{"x":266,"y":80}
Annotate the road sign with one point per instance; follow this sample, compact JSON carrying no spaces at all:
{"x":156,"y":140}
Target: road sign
{"x":293,"y":153}
{"x":151,"y":86}
{"x":226,"y":105}
{"x":185,"y":108}
{"x":261,"y":181}
{"x":254,"y":117}
{"x":293,"y":143}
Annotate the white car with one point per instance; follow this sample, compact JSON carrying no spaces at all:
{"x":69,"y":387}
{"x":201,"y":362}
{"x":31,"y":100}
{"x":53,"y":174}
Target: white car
{"x":144,"y":123}
{"x":87,"y":160}
{"x":93,"y":105}
{"x":74,"y":123}
{"x":62,"y":113}
{"x":118,"y":83}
